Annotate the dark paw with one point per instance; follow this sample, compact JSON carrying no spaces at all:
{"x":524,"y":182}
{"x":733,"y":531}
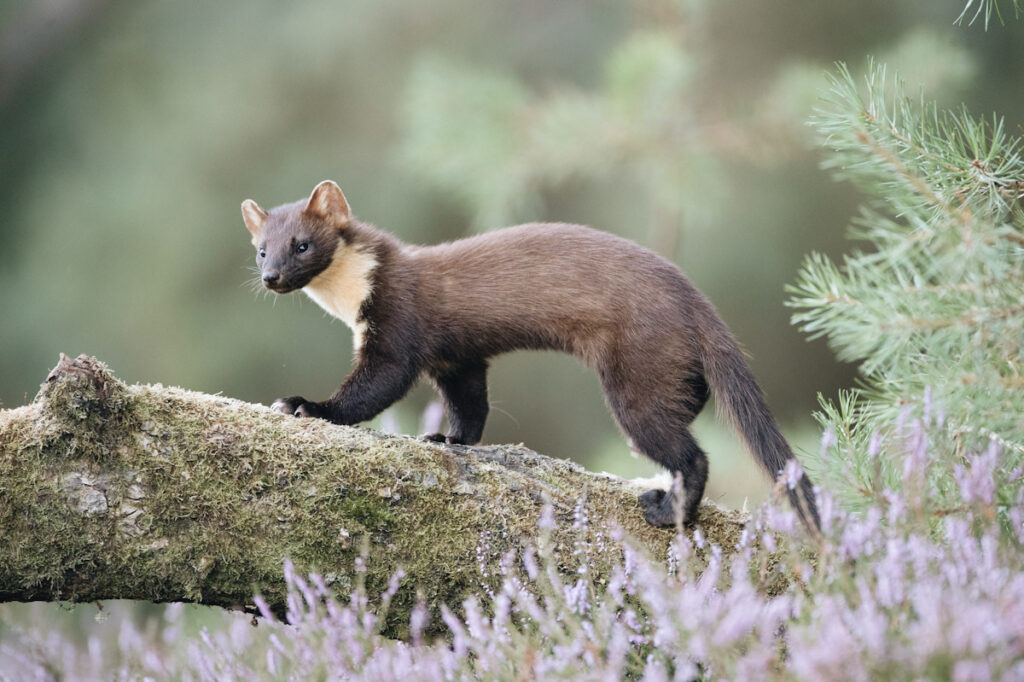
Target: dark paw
{"x":658,"y":507}
{"x":449,"y":439}
{"x":297,"y":406}
{"x":460,"y":440}
{"x":652,"y":498}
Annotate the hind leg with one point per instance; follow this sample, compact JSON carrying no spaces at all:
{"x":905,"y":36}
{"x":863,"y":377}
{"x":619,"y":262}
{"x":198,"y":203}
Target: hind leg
{"x":656,"y":417}
{"x":691,"y":464}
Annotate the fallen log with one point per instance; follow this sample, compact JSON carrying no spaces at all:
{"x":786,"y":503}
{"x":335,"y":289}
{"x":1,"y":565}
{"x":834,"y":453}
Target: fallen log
{"x":109,"y":491}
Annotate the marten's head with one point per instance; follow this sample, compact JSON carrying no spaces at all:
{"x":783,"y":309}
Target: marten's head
{"x":296,"y":242}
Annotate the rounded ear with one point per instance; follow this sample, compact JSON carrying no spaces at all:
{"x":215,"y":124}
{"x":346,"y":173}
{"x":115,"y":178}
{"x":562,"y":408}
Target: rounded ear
{"x":328,"y":203}
{"x":254,"y":217}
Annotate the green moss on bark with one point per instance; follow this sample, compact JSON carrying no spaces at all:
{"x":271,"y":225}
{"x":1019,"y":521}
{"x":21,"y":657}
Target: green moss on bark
{"x":148,"y":492}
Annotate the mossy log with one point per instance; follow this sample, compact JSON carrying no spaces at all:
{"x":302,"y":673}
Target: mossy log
{"x":110,"y":491}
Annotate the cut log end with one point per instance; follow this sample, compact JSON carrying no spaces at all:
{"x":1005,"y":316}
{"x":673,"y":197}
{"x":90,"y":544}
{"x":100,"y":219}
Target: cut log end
{"x":82,"y":387}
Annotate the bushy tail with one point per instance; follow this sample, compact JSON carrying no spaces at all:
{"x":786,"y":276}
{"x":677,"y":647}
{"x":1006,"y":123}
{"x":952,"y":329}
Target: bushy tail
{"x":739,"y":399}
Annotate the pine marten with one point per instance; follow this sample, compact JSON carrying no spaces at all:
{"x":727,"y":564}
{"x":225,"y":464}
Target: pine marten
{"x":655,"y":340}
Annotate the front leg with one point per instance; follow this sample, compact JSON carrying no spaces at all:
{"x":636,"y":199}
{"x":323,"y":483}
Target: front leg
{"x":296,"y":405}
{"x":464,"y":389}
{"x":380,"y":379}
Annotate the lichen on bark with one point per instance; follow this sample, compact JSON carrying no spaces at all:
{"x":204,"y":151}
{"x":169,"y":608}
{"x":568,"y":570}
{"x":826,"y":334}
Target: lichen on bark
{"x":110,"y":491}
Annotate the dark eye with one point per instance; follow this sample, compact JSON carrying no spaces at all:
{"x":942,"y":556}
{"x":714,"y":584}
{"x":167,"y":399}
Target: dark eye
{"x":262,"y":253}
{"x":303,"y":247}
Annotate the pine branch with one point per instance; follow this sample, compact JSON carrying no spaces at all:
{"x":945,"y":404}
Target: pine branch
{"x":985,"y":8}
{"x":932,"y":307}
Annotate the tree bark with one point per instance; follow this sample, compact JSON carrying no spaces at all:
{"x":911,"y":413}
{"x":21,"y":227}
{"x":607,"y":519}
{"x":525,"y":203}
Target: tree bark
{"x":110,"y":491}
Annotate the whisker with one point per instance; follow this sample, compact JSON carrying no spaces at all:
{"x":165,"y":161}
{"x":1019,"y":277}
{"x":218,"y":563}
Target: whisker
{"x":498,"y":408}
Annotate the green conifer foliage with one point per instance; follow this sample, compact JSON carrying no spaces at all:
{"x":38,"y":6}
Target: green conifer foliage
{"x":932,"y":307}
{"x":985,"y":10}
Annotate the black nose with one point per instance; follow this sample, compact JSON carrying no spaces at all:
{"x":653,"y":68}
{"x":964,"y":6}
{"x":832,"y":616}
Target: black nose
{"x":271,"y":278}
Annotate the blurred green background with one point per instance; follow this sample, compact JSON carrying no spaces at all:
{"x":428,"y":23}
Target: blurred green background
{"x":131,"y":131}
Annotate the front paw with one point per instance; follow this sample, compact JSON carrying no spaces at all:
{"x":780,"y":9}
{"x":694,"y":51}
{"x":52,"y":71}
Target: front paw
{"x":448,"y":440}
{"x":297,"y":406}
